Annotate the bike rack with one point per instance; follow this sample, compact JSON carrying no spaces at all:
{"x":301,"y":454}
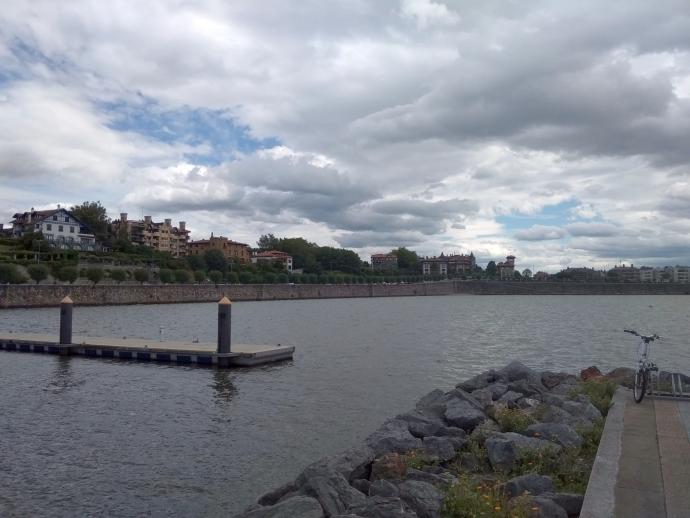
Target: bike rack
{"x":678,"y":388}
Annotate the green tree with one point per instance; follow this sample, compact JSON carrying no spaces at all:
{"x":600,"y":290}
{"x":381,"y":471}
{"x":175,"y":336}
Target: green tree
{"x":232,"y":278}
{"x":491,"y":269}
{"x":68,"y":274}
{"x":199,"y":275}
{"x":196,"y":262}
{"x":165,"y":275}
{"x":9,"y":273}
{"x":94,"y":216}
{"x":268,"y":242}
{"x":118,"y":276}
{"x":37,"y":272}
{"x":517,"y":275}
{"x":246,"y":277}
{"x":270,"y":278}
{"x":141,"y":275}
{"x":95,"y":275}
{"x":215,"y":260}
{"x":183,"y":276}
{"x":216,"y":276}
{"x":407,"y":259}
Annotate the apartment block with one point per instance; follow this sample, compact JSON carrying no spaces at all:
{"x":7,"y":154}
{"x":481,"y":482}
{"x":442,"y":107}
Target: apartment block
{"x":161,"y":236}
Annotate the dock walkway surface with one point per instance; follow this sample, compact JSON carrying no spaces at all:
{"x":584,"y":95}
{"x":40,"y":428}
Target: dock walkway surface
{"x":150,"y":350}
{"x":643,"y":465}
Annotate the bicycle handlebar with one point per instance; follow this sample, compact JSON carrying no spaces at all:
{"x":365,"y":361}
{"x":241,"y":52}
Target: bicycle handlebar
{"x":646,"y":338}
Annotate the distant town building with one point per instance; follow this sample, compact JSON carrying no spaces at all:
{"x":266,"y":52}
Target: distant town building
{"x":581,"y":275}
{"x":384,"y":262}
{"x":506,"y":269}
{"x":58,"y":226}
{"x":161,"y":236}
{"x":232,"y":250}
{"x":681,"y":274}
{"x":624,"y":273}
{"x":663,"y":274}
{"x":541,"y":276}
{"x":449,"y":264}
{"x":274,"y":256}
{"x":646,"y":274}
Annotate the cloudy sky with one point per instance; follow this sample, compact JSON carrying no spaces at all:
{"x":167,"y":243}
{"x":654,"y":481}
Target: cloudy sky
{"x":556,"y":131}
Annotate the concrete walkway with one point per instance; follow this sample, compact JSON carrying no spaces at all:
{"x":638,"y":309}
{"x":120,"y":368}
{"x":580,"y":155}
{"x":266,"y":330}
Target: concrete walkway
{"x":643,"y":465}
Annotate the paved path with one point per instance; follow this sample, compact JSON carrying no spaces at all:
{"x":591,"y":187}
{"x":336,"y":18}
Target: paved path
{"x":642,"y":469}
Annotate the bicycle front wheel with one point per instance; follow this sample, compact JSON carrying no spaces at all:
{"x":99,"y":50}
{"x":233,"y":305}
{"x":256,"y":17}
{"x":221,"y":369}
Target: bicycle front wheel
{"x":640,"y":386}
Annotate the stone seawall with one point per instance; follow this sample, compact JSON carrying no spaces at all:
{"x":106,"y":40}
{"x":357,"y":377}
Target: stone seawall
{"x":26,"y":296}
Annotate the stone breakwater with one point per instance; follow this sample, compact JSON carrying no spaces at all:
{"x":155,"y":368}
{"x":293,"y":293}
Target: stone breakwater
{"x":409,"y":466}
{"x":26,"y":295}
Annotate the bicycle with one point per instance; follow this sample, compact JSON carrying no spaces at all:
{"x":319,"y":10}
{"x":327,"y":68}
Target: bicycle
{"x":644,"y":365}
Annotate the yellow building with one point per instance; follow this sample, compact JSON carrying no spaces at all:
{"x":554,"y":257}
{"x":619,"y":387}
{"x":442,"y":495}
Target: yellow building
{"x":232,"y":250}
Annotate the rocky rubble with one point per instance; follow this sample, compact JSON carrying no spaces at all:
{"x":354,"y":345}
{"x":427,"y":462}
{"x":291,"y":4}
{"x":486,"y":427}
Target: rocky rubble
{"x":404,"y":468}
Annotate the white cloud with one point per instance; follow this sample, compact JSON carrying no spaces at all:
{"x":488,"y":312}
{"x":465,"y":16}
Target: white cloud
{"x":417,"y":120}
{"x":539,"y":233}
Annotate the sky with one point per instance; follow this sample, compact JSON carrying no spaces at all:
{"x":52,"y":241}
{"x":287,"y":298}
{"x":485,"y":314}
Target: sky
{"x":558,"y":132}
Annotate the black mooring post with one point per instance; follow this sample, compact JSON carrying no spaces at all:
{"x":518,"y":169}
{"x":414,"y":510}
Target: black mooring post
{"x":66,"y":306}
{"x":224,"y":327}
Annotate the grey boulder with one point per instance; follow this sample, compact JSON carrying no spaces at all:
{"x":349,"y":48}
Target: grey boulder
{"x":382,"y":507}
{"x":570,"y":502}
{"x":422,"y":425}
{"x":424,"y":499}
{"x":531,"y":483}
{"x":383,"y":488}
{"x":510,"y":398}
{"x":556,"y":432}
{"x":438,"y":448}
{"x":393,"y":436}
{"x":548,"y":508}
{"x":463,"y":414}
{"x":353,"y":463}
{"x":479,"y":381}
{"x":302,"y":506}
{"x":505,"y":448}
{"x":333,"y":492}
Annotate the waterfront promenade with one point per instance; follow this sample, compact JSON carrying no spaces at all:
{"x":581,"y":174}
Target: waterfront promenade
{"x":643,"y":466}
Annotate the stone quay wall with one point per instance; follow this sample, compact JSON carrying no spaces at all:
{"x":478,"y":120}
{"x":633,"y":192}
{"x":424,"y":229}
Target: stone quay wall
{"x":27,"y":296}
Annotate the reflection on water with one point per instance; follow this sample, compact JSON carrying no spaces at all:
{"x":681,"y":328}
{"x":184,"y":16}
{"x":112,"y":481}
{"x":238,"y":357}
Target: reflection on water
{"x":222,"y":384}
{"x":62,"y":378}
{"x":91,"y":437}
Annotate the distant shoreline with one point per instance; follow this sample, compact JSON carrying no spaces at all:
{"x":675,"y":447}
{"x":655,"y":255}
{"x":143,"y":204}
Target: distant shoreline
{"x":49,"y":295}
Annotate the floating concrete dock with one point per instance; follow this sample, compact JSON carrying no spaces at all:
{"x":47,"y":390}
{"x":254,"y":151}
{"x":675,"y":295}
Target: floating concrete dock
{"x":220,"y":354}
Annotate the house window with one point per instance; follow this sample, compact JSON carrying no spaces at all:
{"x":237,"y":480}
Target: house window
{"x":49,"y":226}
{"x":71,"y":230}
{"x":59,"y":228}
{"x":54,"y":218}
{"x":49,"y":237}
{"x":66,"y":219}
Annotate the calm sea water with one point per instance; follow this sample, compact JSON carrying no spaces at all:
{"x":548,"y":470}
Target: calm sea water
{"x":85,"y":437}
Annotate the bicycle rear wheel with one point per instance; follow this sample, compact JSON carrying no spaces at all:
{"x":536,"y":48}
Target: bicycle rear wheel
{"x":640,"y":386}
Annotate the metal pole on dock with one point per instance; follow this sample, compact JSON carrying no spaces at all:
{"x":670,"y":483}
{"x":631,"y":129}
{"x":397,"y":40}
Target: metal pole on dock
{"x":66,"y":306}
{"x":224,"y":327}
